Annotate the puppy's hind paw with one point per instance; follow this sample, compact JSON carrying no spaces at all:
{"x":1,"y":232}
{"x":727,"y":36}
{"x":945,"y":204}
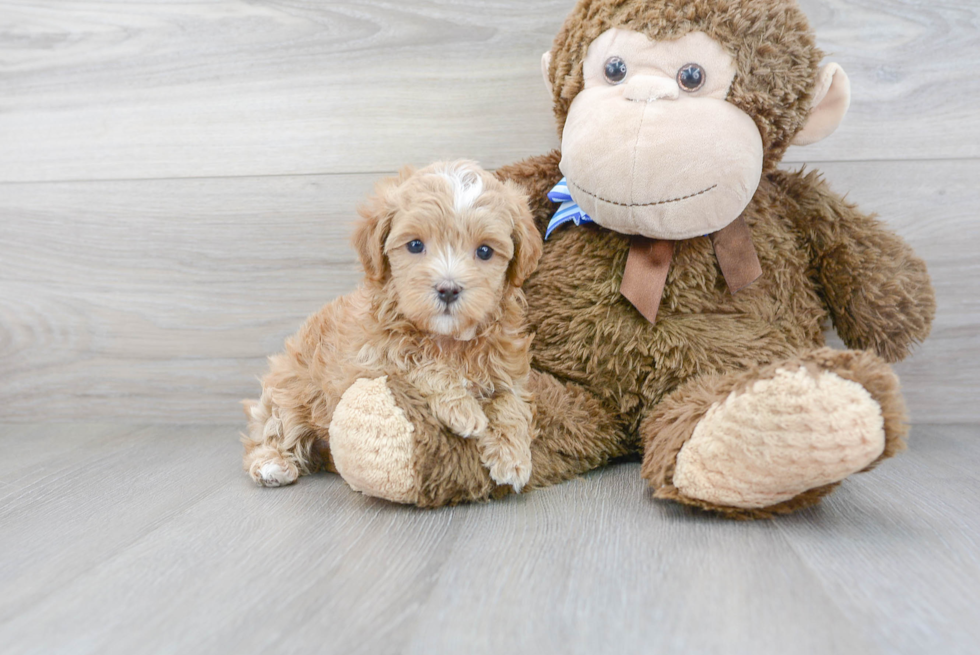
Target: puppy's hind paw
{"x":273,"y":472}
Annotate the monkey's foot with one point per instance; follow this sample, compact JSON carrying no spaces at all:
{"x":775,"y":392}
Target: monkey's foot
{"x":372,"y":443}
{"x":776,"y":438}
{"x":780,"y":437}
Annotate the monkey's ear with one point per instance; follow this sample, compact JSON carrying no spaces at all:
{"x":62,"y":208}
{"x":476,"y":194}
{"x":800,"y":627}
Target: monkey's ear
{"x":831,"y":98}
{"x":372,"y":230}
{"x":545,"y":65}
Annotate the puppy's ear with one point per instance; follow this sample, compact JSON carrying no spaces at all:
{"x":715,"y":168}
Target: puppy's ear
{"x":373,"y":228}
{"x":527,"y":241}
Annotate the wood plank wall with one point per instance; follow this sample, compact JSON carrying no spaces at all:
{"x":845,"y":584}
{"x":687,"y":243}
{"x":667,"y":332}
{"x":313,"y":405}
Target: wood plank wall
{"x":177,"y":180}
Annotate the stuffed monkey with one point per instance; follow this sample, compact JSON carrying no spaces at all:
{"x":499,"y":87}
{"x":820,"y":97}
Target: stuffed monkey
{"x":679,"y":304}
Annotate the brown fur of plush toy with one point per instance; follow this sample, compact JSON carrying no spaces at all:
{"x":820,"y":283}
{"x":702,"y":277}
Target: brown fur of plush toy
{"x":879,"y":297}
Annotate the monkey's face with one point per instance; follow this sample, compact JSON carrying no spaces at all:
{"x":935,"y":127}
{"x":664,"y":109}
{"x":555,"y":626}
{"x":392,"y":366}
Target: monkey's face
{"x":650,"y":145}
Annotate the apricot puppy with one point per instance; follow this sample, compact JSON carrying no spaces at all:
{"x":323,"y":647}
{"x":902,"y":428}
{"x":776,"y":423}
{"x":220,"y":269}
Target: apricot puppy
{"x":445,"y":251}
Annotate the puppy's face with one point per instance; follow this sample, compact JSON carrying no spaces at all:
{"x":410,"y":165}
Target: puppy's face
{"x":448,"y":241}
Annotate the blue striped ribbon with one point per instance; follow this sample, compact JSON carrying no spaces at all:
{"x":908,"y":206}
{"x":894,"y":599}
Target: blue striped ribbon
{"x":568,"y":212}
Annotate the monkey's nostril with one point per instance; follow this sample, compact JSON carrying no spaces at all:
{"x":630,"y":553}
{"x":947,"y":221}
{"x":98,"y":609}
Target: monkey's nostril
{"x":448,"y":293}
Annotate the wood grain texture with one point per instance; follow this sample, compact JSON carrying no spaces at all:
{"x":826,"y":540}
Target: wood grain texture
{"x":153,"y":540}
{"x":896,"y":526}
{"x":124,"y":297}
{"x":159,"y":300}
{"x":109,"y":90}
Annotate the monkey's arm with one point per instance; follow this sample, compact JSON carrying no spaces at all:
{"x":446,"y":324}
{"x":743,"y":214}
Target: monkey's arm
{"x":878,"y":291}
{"x":536,"y":176}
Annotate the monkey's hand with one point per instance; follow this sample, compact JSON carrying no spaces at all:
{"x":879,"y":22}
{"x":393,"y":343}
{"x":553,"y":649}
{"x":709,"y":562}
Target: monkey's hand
{"x":878,"y":291}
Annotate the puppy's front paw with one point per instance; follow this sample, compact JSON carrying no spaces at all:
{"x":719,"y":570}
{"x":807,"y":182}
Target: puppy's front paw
{"x":473,"y":426}
{"x":464,"y":418}
{"x":509,"y":465}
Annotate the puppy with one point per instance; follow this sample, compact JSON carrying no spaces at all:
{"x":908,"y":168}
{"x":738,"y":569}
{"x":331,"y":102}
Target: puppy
{"x":445,"y":251}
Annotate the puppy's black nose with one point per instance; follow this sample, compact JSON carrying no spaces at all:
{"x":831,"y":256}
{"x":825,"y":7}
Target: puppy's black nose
{"x":448,"y":293}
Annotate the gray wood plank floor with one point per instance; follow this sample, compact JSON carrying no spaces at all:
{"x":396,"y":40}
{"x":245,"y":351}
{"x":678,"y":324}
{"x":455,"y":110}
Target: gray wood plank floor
{"x":125,"y":539}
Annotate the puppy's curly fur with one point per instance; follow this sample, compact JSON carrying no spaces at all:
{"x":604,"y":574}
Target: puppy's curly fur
{"x":434,"y":310}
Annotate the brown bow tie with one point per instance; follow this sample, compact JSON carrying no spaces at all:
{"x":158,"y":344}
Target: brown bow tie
{"x":649,"y":262}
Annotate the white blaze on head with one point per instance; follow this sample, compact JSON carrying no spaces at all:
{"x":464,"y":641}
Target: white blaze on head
{"x":447,"y":263}
{"x":466,"y":182}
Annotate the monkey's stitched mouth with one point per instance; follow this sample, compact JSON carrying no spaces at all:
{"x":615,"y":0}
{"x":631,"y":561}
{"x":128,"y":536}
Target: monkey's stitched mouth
{"x":644,"y":204}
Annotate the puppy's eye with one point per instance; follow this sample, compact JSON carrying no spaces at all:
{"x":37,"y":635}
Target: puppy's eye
{"x":484,"y":252}
{"x":415,"y":246}
{"x":691,"y":77}
{"x":614,"y":70}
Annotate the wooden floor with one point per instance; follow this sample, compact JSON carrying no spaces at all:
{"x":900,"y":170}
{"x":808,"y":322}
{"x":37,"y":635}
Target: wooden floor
{"x":121,"y":539}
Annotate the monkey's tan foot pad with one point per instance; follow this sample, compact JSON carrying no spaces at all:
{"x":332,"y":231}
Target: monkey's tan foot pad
{"x":779,"y":438}
{"x":371,"y":442}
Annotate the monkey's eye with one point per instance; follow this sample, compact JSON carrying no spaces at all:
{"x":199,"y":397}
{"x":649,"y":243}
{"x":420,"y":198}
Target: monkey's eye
{"x":415,"y":246}
{"x":484,"y":252}
{"x":615,"y":70}
{"x":691,"y":77}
